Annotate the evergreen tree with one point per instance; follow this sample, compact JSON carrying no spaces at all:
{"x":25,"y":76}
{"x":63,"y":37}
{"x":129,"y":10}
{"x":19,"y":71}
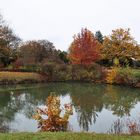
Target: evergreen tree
{"x":99,"y":36}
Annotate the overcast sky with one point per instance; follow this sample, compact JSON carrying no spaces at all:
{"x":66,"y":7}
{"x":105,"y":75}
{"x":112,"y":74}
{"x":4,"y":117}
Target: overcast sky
{"x":58,"y":20}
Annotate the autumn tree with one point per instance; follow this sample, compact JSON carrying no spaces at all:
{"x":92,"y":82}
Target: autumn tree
{"x":120,"y":45}
{"x":54,"y":121}
{"x":33,"y":52}
{"x":38,"y":52}
{"x":84,"y":49}
{"x":8,"y":43}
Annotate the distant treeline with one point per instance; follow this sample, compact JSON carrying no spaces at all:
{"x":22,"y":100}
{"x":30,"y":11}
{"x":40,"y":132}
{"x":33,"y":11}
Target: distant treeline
{"x":119,"y":49}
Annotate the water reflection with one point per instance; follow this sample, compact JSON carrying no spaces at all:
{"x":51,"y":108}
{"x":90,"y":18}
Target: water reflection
{"x":89,"y":101}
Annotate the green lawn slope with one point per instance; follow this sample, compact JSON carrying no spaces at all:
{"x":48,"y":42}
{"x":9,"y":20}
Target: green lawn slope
{"x":64,"y":136}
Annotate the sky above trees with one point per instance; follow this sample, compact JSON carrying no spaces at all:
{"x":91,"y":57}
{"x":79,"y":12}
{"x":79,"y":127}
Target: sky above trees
{"x":58,"y":20}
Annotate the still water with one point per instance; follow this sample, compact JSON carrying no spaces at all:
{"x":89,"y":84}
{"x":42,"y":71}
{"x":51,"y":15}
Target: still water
{"x":95,"y":107}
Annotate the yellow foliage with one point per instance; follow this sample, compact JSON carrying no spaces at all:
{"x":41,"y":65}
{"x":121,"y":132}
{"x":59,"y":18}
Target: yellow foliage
{"x":120,"y":44}
{"x":54,"y":121}
{"x":111,"y":74}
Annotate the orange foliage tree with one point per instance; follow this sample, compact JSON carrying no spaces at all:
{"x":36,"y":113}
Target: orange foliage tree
{"x":54,"y":121}
{"x":84,"y":49}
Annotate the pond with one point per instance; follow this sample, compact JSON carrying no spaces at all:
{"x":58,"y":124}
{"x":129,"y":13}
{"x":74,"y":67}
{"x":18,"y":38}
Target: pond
{"x":95,"y":106}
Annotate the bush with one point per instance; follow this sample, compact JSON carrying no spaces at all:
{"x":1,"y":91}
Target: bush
{"x":111,"y":75}
{"x":52,"y":111}
{"x":65,"y":72}
{"x":32,"y":68}
{"x":128,"y":76}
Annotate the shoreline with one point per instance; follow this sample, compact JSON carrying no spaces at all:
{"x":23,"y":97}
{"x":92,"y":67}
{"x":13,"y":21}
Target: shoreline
{"x":15,"y":78}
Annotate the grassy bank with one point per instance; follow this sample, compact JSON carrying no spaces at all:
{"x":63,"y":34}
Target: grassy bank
{"x":59,"y":73}
{"x":65,"y":136}
{"x":20,"y":77}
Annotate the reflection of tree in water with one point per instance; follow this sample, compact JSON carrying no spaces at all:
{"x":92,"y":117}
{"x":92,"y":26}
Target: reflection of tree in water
{"x":88,"y":100}
{"x":18,"y":101}
{"x":86,"y":118}
{"x":121,"y":100}
{"x":4,"y":127}
{"x":3,"y":124}
{"x":37,"y":96}
{"x":9,"y":105}
{"x":23,"y":100}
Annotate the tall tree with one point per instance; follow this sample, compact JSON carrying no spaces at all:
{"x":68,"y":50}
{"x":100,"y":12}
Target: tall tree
{"x":8,"y":43}
{"x":84,"y":48}
{"x":120,"y":44}
{"x":35,"y":51}
{"x":99,"y":36}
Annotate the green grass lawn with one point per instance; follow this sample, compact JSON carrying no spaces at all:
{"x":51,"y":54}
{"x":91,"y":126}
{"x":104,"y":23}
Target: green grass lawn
{"x":65,"y":136}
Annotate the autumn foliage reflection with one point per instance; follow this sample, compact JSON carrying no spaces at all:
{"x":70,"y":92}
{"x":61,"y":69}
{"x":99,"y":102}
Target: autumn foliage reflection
{"x":54,"y":121}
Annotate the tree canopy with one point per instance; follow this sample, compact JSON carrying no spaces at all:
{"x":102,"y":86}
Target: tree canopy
{"x":8,"y":42}
{"x":120,"y":44}
{"x":84,"y":48}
